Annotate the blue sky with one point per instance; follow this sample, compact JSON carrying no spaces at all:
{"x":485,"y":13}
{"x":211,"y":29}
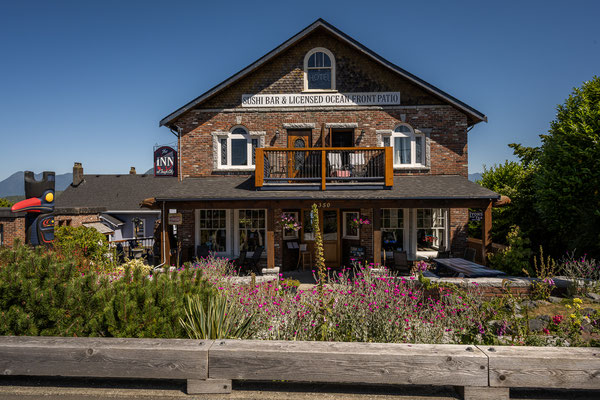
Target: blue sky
{"x":89,"y":81}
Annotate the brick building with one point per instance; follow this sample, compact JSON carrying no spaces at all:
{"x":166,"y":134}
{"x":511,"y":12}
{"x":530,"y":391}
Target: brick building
{"x":378,"y":143}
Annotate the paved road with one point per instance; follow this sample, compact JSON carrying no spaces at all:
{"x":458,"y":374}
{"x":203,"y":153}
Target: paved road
{"x":12,"y":388}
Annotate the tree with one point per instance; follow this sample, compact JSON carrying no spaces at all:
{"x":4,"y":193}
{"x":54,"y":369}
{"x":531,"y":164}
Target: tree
{"x":567,"y":183}
{"x":5,"y":203}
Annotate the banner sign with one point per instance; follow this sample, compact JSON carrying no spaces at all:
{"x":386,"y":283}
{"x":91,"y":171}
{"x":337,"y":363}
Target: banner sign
{"x":165,"y":161}
{"x":475,"y":215}
{"x":175,"y":219}
{"x":321,"y":99}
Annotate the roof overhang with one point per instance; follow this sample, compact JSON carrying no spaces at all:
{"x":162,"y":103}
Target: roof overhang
{"x":475,"y":116}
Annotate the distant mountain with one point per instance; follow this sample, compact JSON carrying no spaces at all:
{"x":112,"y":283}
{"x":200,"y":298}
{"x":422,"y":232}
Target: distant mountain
{"x":14,"y":185}
{"x":475,"y":177}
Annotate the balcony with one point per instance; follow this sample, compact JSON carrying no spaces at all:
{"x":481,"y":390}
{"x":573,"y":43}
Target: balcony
{"x":322,"y":168}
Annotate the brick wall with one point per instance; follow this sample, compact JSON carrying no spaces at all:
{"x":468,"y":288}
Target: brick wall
{"x":13,"y":228}
{"x":448,"y":135}
{"x":75,"y":219}
{"x":459,"y":218}
{"x":355,"y":72}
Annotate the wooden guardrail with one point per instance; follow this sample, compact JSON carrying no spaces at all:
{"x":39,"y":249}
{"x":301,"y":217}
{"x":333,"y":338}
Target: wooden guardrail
{"x":209,"y":366}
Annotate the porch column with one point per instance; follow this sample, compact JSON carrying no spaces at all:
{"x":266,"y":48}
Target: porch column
{"x":165,"y":244}
{"x":270,"y":238}
{"x":377,"y":235}
{"x":486,"y":237}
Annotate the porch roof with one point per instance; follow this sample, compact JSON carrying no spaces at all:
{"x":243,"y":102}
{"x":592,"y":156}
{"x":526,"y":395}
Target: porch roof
{"x":419,"y":187}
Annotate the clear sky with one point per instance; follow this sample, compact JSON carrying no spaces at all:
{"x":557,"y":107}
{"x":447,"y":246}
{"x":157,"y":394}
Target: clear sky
{"x":89,"y":81}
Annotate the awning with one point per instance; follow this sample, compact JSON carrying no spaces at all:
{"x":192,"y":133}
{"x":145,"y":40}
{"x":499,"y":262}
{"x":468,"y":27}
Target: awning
{"x":100,"y":227}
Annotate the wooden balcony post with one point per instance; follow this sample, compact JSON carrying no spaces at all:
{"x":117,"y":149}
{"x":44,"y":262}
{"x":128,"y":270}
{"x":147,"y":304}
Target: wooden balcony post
{"x":389,"y":167}
{"x":270,"y":238}
{"x":377,"y":236}
{"x":486,"y":237}
{"x":259,"y":169}
{"x":323,"y":169}
{"x":164,"y":237}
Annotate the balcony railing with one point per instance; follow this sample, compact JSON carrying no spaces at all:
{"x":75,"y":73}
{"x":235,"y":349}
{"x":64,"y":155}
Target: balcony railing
{"x":322,"y":166}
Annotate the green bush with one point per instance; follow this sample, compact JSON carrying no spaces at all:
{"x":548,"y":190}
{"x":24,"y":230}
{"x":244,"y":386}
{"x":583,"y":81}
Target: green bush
{"x":45,"y":293}
{"x":513,"y":260}
{"x":81,"y":241}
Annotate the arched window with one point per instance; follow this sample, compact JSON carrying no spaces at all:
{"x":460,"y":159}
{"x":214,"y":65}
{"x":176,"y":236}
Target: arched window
{"x":237,"y":149}
{"x":409,"y":148}
{"x":319,"y":70}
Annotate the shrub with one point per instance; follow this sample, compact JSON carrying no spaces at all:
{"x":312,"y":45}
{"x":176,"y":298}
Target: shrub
{"x":44,"y":293}
{"x":583,"y":272}
{"x":82,"y":242}
{"x":513,"y":260}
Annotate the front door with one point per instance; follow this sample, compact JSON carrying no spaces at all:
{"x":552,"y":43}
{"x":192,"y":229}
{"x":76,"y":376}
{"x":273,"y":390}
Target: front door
{"x":329,"y":224}
{"x":298,"y":139}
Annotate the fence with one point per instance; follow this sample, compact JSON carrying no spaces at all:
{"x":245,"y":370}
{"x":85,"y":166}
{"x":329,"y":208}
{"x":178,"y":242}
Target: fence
{"x":479,"y":372}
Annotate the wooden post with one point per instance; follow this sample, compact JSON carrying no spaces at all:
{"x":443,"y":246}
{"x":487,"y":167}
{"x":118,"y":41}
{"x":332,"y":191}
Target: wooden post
{"x":389,"y":167}
{"x":486,"y":237}
{"x":270,"y":238}
{"x":377,"y":236}
{"x":165,"y":243}
{"x":323,"y":169}
{"x":259,"y":169}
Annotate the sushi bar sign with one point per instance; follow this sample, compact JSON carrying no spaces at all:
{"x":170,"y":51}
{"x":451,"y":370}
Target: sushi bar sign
{"x":165,"y":161}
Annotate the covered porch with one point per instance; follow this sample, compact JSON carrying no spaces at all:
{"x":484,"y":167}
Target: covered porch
{"x":421,"y":215}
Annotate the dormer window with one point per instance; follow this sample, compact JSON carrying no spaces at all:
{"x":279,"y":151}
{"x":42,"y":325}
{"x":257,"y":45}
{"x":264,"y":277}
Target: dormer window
{"x":319,"y":70}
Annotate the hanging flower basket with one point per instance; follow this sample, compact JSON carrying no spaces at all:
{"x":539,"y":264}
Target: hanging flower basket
{"x":358,"y":222}
{"x":289,"y":223}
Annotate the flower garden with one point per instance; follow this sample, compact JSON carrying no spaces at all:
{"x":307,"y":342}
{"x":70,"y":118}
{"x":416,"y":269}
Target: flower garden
{"x":45,"y":292}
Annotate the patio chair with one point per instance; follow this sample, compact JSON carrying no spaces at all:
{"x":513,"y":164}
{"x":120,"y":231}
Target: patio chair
{"x":401,"y":262}
{"x":443,"y":254}
{"x":251,"y":264}
{"x":202,"y":251}
{"x":335,"y":163}
{"x":469,"y":254}
{"x":357,"y":164}
{"x":241,"y":260}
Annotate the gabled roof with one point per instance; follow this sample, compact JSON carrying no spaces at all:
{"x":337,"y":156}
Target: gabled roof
{"x":113,"y":192}
{"x":474,"y":115}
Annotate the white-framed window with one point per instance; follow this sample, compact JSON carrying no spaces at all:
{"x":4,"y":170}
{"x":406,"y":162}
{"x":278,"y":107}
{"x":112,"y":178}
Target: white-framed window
{"x":307,"y":230}
{"x":319,"y":70}
{"x":409,"y":147}
{"x":138,"y":227}
{"x":431,"y":229}
{"x":393,"y":229}
{"x":236,"y":150}
{"x":350,"y":229}
{"x":211,"y":230}
{"x":251,"y":229}
{"x":290,"y":233}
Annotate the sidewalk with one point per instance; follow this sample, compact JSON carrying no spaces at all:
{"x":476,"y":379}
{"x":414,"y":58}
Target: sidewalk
{"x":19,"y":388}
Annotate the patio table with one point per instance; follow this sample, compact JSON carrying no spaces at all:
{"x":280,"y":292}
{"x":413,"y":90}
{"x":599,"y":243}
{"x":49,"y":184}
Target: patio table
{"x":467,"y":268}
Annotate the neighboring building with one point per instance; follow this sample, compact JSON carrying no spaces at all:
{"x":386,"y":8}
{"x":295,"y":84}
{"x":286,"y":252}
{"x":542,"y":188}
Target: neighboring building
{"x":376,"y":142}
{"x":110,"y":203}
{"x":12,"y":226}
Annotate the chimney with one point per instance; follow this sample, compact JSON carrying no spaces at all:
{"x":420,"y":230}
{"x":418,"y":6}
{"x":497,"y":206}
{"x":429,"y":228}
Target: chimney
{"x":77,"y":174}
{"x":132,"y":171}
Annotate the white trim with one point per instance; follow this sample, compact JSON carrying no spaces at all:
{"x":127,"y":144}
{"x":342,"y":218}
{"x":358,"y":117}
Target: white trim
{"x":425,"y":254}
{"x":412,"y":135}
{"x":229,"y":135}
{"x":344,"y":227}
{"x":341,"y":125}
{"x":405,"y":230}
{"x":299,"y":125}
{"x":331,"y":58}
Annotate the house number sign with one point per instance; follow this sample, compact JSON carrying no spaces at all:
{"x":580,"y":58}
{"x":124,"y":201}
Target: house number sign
{"x":321,"y":99}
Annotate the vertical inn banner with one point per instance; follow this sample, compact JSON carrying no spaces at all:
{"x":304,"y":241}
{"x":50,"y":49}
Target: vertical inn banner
{"x":165,"y":161}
